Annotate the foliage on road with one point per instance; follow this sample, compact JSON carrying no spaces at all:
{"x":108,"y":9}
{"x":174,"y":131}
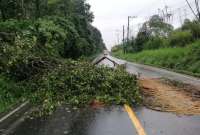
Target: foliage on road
{"x":79,"y":83}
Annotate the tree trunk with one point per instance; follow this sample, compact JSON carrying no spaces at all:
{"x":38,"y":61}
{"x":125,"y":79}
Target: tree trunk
{"x":37,"y":9}
{"x":23,"y":9}
{"x":3,"y":15}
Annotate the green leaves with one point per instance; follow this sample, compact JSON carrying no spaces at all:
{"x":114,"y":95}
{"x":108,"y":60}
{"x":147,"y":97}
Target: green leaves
{"x":79,"y":83}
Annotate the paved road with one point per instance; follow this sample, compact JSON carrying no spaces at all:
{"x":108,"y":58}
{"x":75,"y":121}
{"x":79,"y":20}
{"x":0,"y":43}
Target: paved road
{"x":152,"y":72}
{"x":105,"y":121}
{"x":161,"y":123}
{"x":112,"y":120}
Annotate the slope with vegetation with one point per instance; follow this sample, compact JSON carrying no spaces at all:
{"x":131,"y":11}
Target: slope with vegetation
{"x":38,"y":40}
{"x":158,"y":44}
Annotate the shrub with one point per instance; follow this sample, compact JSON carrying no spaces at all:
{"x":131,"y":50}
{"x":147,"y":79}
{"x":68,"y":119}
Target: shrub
{"x":14,"y":26}
{"x":193,"y":27}
{"x":186,"y":59}
{"x":180,"y":38}
{"x":154,"y":43}
{"x":117,"y":48}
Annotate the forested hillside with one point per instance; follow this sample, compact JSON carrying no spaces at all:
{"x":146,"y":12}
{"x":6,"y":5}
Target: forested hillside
{"x":38,"y":40}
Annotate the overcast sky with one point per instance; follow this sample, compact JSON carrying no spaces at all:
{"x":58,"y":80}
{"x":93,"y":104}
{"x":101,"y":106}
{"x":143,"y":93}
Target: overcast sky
{"x":111,"y":15}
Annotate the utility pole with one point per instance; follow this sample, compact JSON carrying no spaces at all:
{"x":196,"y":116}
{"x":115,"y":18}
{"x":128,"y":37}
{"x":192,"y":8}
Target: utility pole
{"x":128,"y":27}
{"x":185,"y":13}
{"x":164,"y":16}
{"x":123,"y":40}
{"x":180,"y":16}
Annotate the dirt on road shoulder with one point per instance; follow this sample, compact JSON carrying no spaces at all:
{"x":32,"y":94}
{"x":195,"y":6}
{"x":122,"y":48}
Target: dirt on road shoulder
{"x":162,"y":96}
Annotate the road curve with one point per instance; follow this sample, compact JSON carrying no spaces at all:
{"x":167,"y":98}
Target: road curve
{"x":153,"y":72}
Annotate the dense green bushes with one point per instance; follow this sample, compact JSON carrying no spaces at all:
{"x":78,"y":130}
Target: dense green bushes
{"x":193,"y":27}
{"x":35,"y":47}
{"x":180,"y":38}
{"x":155,"y":43}
{"x":80,"y":83}
{"x":185,"y":59}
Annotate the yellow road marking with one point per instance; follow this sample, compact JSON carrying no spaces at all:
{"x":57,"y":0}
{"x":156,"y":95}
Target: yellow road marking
{"x":135,"y":121}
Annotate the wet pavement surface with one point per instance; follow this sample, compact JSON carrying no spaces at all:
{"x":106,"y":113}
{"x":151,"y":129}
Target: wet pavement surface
{"x":112,"y":120}
{"x":161,"y":123}
{"x":107,"y":121}
{"x":65,"y":121}
{"x":152,"y":72}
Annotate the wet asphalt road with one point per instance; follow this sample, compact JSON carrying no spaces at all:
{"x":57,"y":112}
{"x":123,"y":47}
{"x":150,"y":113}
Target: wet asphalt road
{"x":160,"y":123}
{"x":88,"y":121}
{"x":107,"y":121}
{"x":112,"y":120}
{"x":152,"y":72}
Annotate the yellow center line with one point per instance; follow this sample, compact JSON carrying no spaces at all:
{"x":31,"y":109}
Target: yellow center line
{"x":135,"y":120}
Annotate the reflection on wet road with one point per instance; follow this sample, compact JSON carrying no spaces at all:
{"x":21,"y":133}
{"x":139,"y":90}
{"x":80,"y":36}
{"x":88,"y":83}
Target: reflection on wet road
{"x":108,"y":121}
{"x":65,"y":121}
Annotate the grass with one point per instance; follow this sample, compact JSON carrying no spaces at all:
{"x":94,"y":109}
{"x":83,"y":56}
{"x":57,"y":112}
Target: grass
{"x":184,"y":60}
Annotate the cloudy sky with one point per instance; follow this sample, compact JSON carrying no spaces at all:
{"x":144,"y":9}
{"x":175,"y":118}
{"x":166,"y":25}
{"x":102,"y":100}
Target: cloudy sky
{"x":111,"y":15}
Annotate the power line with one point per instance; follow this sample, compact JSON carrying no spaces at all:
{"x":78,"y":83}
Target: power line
{"x":192,"y":9}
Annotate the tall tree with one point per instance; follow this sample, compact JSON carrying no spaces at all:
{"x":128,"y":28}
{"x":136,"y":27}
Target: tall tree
{"x":157,"y":27}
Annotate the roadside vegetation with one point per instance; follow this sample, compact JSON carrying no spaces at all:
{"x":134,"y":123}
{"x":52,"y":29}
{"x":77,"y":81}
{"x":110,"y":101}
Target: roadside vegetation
{"x":160,"y":45}
{"x":9,"y":93}
{"x":44,"y":51}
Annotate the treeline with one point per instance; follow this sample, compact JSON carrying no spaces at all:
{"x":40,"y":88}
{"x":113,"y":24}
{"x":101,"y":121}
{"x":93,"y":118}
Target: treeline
{"x":33,"y":31}
{"x":46,"y":19}
{"x":34,"y":9}
{"x":159,"y":44}
{"x":156,"y":33}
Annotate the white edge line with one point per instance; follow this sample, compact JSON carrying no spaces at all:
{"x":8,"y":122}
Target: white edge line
{"x":14,"y":111}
